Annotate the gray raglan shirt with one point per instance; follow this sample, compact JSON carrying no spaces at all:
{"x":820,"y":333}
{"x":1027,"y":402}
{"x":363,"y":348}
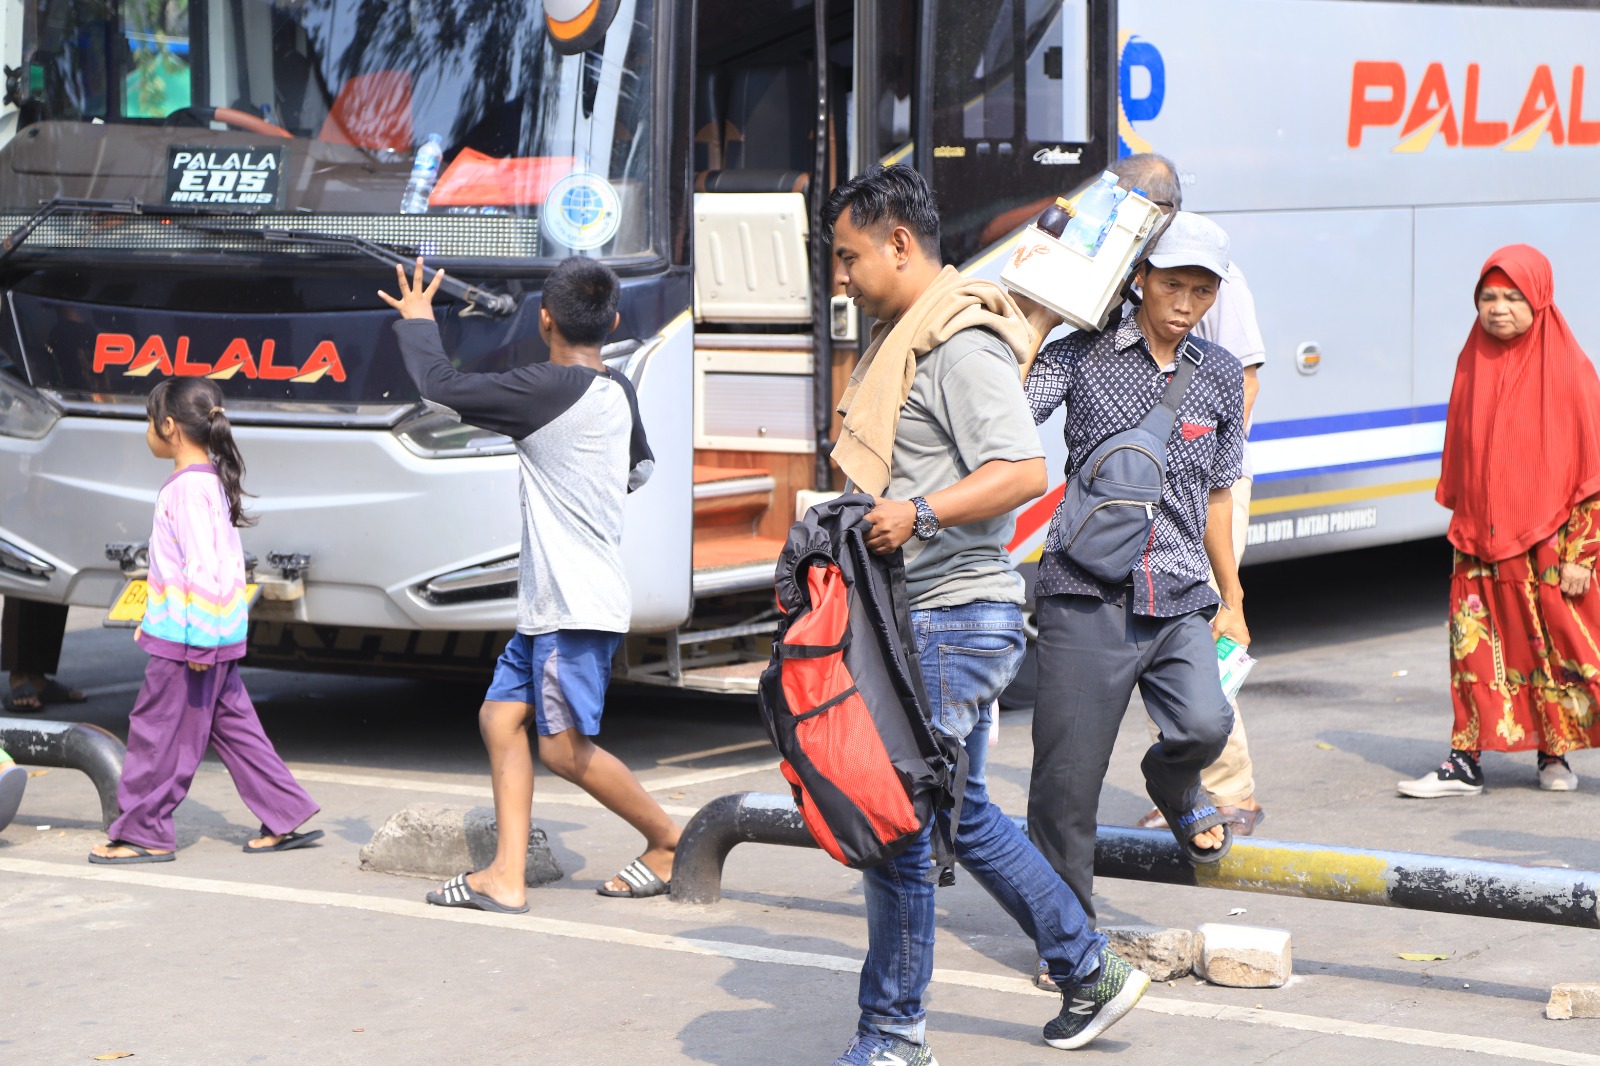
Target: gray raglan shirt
{"x":582,"y":450}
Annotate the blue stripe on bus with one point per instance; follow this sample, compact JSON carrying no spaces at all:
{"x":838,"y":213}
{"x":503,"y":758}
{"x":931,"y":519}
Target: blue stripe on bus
{"x":1315,"y":471}
{"x":1308,"y":427}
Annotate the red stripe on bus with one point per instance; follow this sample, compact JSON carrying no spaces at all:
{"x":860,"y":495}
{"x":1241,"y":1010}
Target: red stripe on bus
{"x":1036,"y":515}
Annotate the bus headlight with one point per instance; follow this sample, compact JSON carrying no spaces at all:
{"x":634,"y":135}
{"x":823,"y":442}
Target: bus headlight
{"x":436,"y":433}
{"x":23,"y":412}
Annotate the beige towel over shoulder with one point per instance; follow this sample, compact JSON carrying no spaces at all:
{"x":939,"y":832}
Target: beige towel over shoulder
{"x":882,"y":382}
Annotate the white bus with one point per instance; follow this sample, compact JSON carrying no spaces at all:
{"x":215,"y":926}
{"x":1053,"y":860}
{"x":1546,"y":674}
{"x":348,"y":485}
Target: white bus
{"x":215,"y":186}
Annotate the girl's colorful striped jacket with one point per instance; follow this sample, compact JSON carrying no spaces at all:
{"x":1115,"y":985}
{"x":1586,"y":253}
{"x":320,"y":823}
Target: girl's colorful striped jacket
{"x":196,"y":610}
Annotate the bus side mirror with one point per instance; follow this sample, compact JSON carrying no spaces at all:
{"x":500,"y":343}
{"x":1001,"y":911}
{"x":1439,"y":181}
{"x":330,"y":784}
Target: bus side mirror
{"x":578,"y":25}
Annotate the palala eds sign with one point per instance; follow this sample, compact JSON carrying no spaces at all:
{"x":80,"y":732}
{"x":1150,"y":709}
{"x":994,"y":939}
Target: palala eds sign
{"x":226,"y":177}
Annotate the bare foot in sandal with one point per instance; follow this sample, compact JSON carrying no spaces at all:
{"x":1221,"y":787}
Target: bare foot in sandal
{"x":117,"y":850}
{"x":510,"y":892}
{"x":659,"y":860}
{"x":1210,"y":840}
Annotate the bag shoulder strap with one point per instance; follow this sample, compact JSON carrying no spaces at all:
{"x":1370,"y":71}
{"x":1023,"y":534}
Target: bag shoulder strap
{"x":1164,"y":415}
{"x":1189,"y":360}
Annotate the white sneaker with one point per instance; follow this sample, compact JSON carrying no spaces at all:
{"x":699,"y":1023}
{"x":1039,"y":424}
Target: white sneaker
{"x":1556,"y":776}
{"x":1458,"y":775}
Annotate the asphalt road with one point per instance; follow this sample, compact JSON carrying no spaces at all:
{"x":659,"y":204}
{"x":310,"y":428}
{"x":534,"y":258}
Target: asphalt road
{"x":302,"y":957}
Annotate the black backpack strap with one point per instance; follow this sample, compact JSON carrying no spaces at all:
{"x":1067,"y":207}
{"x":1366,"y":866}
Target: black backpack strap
{"x":943,"y":870}
{"x":900,"y":603}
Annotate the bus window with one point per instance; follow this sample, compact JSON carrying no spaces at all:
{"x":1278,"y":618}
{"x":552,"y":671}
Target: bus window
{"x":891,"y":79}
{"x":1011,"y":90}
{"x":158,"y":38}
{"x":343,"y":93}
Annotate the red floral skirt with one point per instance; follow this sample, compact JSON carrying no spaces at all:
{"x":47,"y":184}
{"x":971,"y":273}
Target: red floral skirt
{"x":1525,"y":664}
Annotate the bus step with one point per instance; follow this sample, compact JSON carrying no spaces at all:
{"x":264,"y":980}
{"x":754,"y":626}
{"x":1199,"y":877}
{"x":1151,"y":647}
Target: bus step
{"x":735,"y":564}
{"x":738,"y":678}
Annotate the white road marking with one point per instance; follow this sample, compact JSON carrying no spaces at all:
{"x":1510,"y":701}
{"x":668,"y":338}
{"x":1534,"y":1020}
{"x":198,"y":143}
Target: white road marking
{"x":541,"y":793}
{"x":726,"y":749}
{"x":705,"y":777}
{"x":606,"y":934}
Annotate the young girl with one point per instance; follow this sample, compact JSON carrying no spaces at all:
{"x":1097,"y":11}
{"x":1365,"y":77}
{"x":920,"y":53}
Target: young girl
{"x":194,"y":629}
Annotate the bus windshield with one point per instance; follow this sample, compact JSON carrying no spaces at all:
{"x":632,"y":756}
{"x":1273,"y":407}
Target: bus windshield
{"x":318,"y":109}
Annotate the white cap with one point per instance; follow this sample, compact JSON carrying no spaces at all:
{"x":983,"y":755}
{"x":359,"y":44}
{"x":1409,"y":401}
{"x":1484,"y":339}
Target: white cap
{"x":1192,"y":240}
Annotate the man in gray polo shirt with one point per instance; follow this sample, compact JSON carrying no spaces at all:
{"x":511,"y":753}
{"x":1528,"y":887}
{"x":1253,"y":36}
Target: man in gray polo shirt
{"x":936,"y":428}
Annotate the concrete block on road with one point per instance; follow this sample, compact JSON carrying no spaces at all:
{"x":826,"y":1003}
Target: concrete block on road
{"x":432,"y":841}
{"x":1243,"y":956}
{"x":1161,"y":953}
{"x":1574,"y":999}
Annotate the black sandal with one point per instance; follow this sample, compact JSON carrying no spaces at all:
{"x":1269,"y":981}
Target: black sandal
{"x":140,"y":854}
{"x":1186,"y":824}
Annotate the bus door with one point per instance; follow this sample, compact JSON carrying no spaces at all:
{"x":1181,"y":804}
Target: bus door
{"x":760,"y":378}
{"x":1002,"y":104}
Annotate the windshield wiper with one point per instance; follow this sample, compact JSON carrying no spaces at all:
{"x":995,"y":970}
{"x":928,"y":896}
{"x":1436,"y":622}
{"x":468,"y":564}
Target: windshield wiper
{"x":477,"y":300}
{"x":67,"y":205}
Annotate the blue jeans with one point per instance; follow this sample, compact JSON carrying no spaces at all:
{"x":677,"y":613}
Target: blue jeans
{"x":969,"y":654}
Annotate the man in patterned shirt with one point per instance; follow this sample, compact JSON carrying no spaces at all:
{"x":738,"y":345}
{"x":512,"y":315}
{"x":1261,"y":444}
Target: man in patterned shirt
{"x":1231,"y":322}
{"x":1156,"y":629}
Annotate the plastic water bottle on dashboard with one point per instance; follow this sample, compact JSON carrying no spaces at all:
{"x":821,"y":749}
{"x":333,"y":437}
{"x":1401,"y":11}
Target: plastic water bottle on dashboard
{"x":424,"y":172}
{"x":1096,"y":209}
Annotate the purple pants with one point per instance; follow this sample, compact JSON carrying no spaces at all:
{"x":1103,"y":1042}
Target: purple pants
{"x":179,"y":711}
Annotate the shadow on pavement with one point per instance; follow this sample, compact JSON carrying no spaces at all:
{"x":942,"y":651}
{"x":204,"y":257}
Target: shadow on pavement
{"x":1419,"y":977}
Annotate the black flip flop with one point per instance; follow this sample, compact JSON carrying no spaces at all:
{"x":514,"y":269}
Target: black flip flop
{"x":55,"y":692}
{"x":457,"y":893}
{"x":642,"y":883}
{"x":13,"y":782}
{"x":25,"y":691}
{"x":289,"y":842}
{"x":139,"y":855}
{"x":1186,"y":824}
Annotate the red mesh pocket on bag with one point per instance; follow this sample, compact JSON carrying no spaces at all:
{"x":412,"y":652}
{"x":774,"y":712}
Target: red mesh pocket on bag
{"x":852,"y":778}
{"x":843,"y":744}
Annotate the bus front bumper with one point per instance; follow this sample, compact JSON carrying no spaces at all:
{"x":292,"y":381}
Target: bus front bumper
{"x":379,"y":523}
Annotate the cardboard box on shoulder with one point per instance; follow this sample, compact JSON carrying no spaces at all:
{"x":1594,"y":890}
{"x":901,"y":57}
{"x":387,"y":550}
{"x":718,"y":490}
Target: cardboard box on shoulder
{"x":1080,"y":288}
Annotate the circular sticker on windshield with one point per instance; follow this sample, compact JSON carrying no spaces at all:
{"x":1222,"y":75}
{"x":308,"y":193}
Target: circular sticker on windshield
{"x":582,"y":211}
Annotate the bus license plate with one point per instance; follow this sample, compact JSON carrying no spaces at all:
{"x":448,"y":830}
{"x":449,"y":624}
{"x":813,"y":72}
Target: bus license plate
{"x":128,"y":610}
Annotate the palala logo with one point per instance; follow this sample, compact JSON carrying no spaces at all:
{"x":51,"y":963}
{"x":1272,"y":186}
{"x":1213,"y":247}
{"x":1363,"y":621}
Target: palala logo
{"x":240,"y":177}
{"x":1378,"y":98}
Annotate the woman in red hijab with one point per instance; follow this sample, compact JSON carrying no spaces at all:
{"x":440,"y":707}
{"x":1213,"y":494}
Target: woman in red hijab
{"x":1521,"y":473}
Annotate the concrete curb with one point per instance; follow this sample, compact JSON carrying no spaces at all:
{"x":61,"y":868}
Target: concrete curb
{"x":1243,"y":956}
{"x":425,"y":840}
{"x":1163,"y":954}
{"x":1574,"y":999}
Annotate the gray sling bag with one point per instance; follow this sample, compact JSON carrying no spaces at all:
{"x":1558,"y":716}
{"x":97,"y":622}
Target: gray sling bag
{"x":1109,"y":515}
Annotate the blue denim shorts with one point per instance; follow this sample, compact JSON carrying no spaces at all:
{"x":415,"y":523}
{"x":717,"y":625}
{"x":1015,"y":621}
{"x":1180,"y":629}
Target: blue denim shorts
{"x":562,"y":676}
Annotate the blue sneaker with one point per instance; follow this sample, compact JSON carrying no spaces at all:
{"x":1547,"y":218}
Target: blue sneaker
{"x":1089,"y":1010}
{"x":876,"y":1049}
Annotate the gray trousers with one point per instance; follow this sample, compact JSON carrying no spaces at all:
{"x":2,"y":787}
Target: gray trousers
{"x":1091,"y":655}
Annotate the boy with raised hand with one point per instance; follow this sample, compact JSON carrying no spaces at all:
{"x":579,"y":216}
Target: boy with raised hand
{"x":582,"y":450}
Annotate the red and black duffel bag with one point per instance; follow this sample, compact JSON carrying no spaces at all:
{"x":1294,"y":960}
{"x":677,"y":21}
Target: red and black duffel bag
{"x":844,"y":702}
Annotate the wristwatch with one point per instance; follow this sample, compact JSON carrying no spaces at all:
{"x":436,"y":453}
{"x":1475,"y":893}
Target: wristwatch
{"x":927,"y":522}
